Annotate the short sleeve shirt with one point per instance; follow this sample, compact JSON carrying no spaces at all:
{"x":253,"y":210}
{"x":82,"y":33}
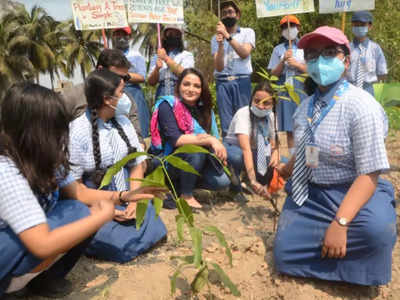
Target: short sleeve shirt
{"x":279,"y":52}
{"x":233,"y":63}
{"x":81,"y":144}
{"x":137,"y":61}
{"x":374,"y":61}
{"x":19,"y":206}
{"x":241,"y":124}
{"x":351,"y":137}
{"x":184,"y":58}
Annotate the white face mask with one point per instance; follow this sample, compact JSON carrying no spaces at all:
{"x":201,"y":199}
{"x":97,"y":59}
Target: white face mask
{"x":291,"y":34}
{"x":123,"y":106}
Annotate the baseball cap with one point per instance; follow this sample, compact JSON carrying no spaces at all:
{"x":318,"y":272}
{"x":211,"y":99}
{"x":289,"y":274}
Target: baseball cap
{"x":362,"y":16}
{"x":173,"y":26}
{"x":331,"y":33}
{"x":292,"y":19}
{"x":227,"y":3}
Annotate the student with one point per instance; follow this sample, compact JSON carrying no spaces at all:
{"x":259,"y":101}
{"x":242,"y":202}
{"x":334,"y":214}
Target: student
{"x":43,"y":231}
{"x":115,"y":61}
{"x":231,"y":47}
{"x":368,"y":63}
{"x":98,"y":139}
{"x":286,"y":63}
{"x":170,"y":61}
{"x":121,"y":38}
{"x":250,"y":141}
{"x":187,"y":118}
{"x":338,"y":222}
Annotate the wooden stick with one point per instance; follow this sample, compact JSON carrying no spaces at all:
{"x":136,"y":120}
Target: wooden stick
{"x":343,"y":21}
{"x":103,"y":33}
{"x":219,"y":9}
{"x":288,"y":26}
{"x":159,"y":35}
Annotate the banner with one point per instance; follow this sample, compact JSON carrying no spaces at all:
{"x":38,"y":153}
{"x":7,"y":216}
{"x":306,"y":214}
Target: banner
{"x":98,"y":14}
{"x":333,"y":6}
{"x":271,"y":8}
{"x":155,"y":11}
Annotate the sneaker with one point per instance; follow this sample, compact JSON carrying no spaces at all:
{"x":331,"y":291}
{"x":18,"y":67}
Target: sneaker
{"x":51,"y":288}
{"x":169,"y":202}
{"x":239,"y":197}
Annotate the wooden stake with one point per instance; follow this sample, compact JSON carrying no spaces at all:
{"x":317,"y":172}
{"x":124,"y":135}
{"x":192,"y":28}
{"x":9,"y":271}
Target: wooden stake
{"x":103,"y":33}
{"x":343,"y":21}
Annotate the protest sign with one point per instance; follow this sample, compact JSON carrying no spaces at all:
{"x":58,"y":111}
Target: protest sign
{"x":270,"y":8}
{"x":155,"y":11}
{"x":99,"y":14}
{"x":333,"y":6}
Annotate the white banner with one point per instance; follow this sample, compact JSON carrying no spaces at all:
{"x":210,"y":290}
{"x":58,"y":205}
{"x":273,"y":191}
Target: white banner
{"x":98,"y":14}
{"x":332,"y":6}
{"x":271,"y":8}
{"x":155,"y":11}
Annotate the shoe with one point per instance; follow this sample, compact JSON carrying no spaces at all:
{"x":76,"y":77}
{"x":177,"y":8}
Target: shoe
{"x":246,"y":189}
{"x":51,"y":288}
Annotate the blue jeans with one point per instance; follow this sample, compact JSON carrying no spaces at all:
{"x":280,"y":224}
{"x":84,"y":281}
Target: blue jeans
{"x":143,"y":108}
{"x":231,"y":96}
{"x":210,"y":178}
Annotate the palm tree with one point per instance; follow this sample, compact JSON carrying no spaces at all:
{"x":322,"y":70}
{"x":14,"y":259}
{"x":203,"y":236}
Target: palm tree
{"x":32,"y":29}
{"x":82,"y":48}
{"x":14,"y":64}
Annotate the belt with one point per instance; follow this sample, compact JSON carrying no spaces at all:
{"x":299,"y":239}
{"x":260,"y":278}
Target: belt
{"x":231,"y":77}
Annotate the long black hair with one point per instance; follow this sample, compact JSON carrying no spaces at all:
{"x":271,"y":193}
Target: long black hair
{"x":266,"y":87}
{"x":35,"y":134}
{"x":204,"y":104}
{"x":98,"y":85}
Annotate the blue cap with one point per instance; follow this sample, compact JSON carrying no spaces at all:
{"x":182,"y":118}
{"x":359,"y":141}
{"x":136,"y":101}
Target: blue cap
{"x":362,"y":16}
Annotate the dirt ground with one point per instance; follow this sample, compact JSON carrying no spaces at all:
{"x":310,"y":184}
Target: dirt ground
{"x":249,"y":231}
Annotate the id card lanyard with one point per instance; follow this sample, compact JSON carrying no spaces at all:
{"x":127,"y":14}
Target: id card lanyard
{"x":290,"y":73}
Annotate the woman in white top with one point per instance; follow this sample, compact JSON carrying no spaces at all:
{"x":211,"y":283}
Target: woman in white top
{"x":250,"y":141}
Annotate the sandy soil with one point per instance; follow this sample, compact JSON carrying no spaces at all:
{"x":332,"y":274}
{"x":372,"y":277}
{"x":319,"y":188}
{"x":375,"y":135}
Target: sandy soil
{"x":249,"y":230}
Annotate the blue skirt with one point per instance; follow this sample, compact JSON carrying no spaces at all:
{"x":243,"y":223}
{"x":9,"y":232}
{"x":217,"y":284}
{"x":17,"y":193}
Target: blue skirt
{"x":370,"y":237}
{"x":15,"y":259}
{"x":143,"y":108}
{"x":121,"y":242}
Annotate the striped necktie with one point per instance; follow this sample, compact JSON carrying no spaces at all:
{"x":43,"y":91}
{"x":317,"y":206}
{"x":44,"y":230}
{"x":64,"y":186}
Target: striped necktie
{"x":360,"y":77}
{"x":262,"y":151}
{"x":301,"y":173}
{"x":119,"y":178}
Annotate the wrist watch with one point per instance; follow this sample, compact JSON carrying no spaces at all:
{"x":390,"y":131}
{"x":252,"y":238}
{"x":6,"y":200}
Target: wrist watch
{"x":229,"y":38}
{"x":342,"y":221}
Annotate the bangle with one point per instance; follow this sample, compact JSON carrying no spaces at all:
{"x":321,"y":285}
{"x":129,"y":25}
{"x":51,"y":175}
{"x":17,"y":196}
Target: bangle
{"x":120,"y":197}
{"x":229,"y":38}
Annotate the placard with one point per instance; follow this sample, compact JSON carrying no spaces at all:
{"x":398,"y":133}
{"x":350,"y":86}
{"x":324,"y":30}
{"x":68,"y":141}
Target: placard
{"x":271,"y":8}
{"x":155,"y":11}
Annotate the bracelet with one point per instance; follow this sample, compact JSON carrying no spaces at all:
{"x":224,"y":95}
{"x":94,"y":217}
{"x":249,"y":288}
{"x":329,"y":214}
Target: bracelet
{"x":229,"y":38}
{"x":120,"y":197}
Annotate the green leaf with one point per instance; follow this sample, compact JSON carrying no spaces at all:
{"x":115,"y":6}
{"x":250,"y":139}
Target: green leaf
{"x":200,"y":280}
{"x":226,"y":280}
{"x":158,"y":203}
{"x":173,"y":279}
{"x":274,"y":78}
{"x":185,"y":210}
{"x":117,"y":167}
{"x":222,"y":241}
{"x":197,"y":238}
{"x":393,"y":103}
{"x":190,"y":149}
{"x":156,"y":176}
{"x":180,"y":220}
{"x":295,"y":97}
{"x":141,"y":208}
{"x":179,"y":163}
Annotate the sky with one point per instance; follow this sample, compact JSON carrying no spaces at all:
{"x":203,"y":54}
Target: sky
{"x":59,"y":9}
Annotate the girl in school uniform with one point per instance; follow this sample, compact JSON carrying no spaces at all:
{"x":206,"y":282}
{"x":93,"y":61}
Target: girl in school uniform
{"x":286,"y":63}
{"x":43,"y":232}
{"x":250,"y":141}
{"x":98,"y":139}
{"x":170,"y":61}
{"x":339,"y":221}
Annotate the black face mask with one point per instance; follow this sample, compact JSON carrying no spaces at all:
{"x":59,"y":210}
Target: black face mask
{"x":121,"y":43}
{"x":172,"y":42}
{"x":229,"y":21}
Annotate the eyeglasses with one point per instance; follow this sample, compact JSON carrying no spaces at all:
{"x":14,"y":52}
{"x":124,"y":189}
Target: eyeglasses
{"x":125,"y":78}
{"x":311,"y":54}
{"x":228,"y":12}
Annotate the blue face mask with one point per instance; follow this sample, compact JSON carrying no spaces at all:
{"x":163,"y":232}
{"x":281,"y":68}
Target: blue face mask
{"x":325,"y":71}
{"x":260,"y":113}
{"x":123,"y":106}
{"x":360,"y":31}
